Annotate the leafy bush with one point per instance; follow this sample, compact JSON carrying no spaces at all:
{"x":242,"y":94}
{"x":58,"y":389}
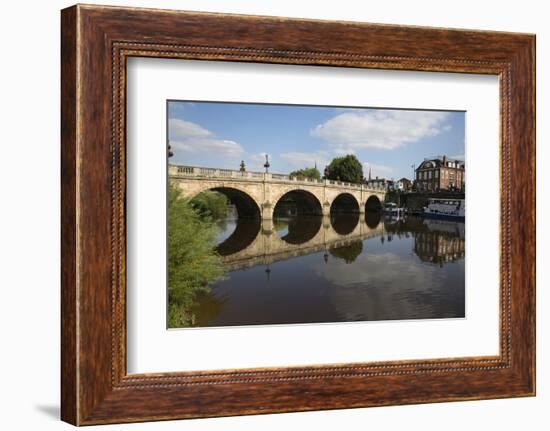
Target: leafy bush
{"x":192,"y":262}
{"x":210,"y":204}
{"x":309,"y":173}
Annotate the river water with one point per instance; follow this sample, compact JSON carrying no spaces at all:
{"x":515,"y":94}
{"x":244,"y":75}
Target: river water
{"x":346,"y":268}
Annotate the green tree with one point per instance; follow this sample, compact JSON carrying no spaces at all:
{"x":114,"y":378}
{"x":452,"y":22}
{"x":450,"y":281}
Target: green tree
{"x":346,"y":168}
{"x":309,"y":173}
{"x":210,"y":204}
{"x":192,"y":262}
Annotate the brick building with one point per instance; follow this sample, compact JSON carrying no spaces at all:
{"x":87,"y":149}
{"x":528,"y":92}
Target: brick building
{"x":440,"y":173}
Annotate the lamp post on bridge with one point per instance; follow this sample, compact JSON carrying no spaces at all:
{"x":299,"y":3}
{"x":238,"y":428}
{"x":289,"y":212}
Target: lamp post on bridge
{"x":266,"y":164}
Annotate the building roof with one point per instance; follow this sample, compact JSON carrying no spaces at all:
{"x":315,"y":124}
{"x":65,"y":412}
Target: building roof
{"x":438,"y":161}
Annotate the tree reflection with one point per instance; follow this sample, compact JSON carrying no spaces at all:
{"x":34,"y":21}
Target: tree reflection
{"x":348,"y":253}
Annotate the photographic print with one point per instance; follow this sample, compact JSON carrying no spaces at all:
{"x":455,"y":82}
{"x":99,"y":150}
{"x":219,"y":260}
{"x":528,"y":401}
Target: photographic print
{"x":293,"y":214}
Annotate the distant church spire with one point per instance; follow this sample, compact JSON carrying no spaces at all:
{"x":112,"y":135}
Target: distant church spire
{"x":315,"y":164}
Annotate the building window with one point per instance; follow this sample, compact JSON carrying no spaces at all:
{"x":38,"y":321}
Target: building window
{"x":429,"y":175}
{"x":437,"y":174}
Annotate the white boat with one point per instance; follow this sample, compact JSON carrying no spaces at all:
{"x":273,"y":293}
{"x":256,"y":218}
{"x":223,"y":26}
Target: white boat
{"x":452,"y":209}
{"x":392,"y":209}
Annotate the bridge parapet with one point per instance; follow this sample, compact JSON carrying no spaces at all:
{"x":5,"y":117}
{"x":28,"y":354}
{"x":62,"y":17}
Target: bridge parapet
{"x":180,"y":171}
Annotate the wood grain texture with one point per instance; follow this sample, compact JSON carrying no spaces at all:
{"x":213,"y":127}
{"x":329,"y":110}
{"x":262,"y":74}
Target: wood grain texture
{"x":69,"y":367}
{"x":96,"y":41}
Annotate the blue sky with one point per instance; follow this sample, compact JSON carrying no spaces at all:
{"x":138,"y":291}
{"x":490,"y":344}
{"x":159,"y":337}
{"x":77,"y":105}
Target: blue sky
{"x":388,"y":141}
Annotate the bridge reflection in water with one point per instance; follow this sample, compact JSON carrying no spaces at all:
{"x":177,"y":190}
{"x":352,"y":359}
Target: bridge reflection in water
{"x":255,"y":243}
{"x":349,"y":267}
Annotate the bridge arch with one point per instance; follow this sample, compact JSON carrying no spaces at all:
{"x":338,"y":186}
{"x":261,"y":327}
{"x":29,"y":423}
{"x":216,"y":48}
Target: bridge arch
{"x":373,"y":204}
{"x":246,"y":205}
{"x":345,"y":203}
{"x":297,"y":202}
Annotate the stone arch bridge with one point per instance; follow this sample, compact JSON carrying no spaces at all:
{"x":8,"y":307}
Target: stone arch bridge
{"x":258,"y":194}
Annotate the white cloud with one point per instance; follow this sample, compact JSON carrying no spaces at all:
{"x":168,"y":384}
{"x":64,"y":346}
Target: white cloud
{"x":178,"y":129}
{"x":257,"y":158}
{"x":193,"y":138}
{"x":379,"y":129}
{"x":343,"y":151}
{"x":371,"y":291}
{"x":306,"y":160}
{"x":374,"y":270}
{"x":218,"y":146}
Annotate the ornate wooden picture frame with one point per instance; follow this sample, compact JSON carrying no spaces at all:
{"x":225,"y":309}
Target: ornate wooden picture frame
{"x":96,"y":42}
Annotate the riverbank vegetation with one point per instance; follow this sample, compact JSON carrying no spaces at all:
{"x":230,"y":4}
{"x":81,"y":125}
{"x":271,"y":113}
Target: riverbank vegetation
{"x":193,"y":263}
{"x":210,"y":205}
